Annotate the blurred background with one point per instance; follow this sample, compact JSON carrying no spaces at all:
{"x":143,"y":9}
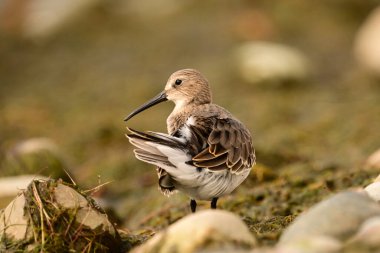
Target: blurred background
{"x":302,"y":75}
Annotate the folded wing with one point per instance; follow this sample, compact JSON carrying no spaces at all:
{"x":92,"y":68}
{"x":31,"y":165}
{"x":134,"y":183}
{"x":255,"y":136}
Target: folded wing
{"x":229,"y":146}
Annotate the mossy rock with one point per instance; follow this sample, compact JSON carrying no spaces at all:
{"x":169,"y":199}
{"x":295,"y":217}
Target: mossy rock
{"x":51,"y":215}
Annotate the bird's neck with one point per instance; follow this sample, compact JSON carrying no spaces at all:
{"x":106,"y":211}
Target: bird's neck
{"x":180,"y":106}
{"x":179,"y":115}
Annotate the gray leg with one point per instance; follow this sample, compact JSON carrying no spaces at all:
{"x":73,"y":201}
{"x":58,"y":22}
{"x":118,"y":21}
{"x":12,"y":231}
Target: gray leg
{"x":213,"y":203}
{"x":193,"y":205}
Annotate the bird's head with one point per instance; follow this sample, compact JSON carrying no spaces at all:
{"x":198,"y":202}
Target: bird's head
{"x":184,"y":87}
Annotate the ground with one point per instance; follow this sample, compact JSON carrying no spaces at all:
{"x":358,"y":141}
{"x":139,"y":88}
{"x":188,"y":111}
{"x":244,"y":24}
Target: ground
{"x":311,"y":138}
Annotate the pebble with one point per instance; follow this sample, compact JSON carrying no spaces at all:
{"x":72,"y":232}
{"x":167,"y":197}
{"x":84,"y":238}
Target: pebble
{"x":215,"y":230}
{"x":373,"y":190}
{"x":367,"y":43}
{"x":267,"y":62}
{"x":373,"y":161}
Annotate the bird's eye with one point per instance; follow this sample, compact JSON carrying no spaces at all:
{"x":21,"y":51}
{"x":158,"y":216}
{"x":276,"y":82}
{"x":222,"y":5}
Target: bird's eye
{"x":178,"y":82}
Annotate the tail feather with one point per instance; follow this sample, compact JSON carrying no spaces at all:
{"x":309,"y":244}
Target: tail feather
{"x":160,"y":138}
{"x":159,"y":149}
{"x":144,"y":146}
{"x":153,"y":158}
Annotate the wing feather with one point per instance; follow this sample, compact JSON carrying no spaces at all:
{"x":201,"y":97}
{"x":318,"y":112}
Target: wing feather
{"x":229,"y":147}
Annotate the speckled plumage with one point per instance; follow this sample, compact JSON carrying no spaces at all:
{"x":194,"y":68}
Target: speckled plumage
{"x":207,"y":152}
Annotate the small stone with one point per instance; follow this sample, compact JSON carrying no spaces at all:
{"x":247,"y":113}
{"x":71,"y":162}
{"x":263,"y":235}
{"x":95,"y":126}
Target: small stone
{"x":265,"y":62}
{"x":373,"y":190}
{"x":214,"y":229}
{"x":338,"y":217}
{"x":367,"y":43}
{"x":373,"y":161}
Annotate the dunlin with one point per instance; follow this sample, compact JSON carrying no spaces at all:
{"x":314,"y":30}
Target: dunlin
{"x":207,"y":153}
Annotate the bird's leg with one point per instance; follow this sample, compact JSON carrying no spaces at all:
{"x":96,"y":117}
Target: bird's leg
{"x":213,"y":203}
{"x":193,"y":205}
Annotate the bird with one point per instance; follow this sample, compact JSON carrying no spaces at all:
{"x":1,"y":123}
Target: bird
{"x":207,"y":152}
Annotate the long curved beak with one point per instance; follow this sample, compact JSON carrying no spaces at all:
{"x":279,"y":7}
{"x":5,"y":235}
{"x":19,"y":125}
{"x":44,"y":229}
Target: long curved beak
{"x":156,"y":100}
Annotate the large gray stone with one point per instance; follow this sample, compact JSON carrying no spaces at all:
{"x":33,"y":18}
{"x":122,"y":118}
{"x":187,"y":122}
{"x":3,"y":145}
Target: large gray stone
{"x":338,"y":217}
{"x":368,"y":234}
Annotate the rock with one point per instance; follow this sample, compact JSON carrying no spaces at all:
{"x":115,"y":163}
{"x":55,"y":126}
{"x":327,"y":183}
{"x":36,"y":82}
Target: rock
{"x":35,"y":156}
{"x":373,"y":190}
{"x":68,"y":198}
{"x":338,"y":217}
{"x":11,"y":186}
{"x":368,"y":234}
{"x":373,"y":161}
{"x":211,"y":229}
{"x":50,"y":214}
{"x":265,"y":62}
{"x":13,"y":222}
{"x":314,"y":244}
{"x":367,"y":43}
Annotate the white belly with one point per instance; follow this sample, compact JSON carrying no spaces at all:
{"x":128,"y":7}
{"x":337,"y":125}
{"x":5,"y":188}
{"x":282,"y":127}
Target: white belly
{"x":205,"y":185}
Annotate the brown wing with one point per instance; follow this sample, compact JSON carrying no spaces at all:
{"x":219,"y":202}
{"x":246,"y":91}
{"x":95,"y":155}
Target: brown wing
{"x":229,"y":147}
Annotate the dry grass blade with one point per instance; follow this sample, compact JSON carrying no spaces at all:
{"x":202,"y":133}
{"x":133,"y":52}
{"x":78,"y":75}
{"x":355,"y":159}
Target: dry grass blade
{"x":96,"y":188}
{"x":39,"y":203}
